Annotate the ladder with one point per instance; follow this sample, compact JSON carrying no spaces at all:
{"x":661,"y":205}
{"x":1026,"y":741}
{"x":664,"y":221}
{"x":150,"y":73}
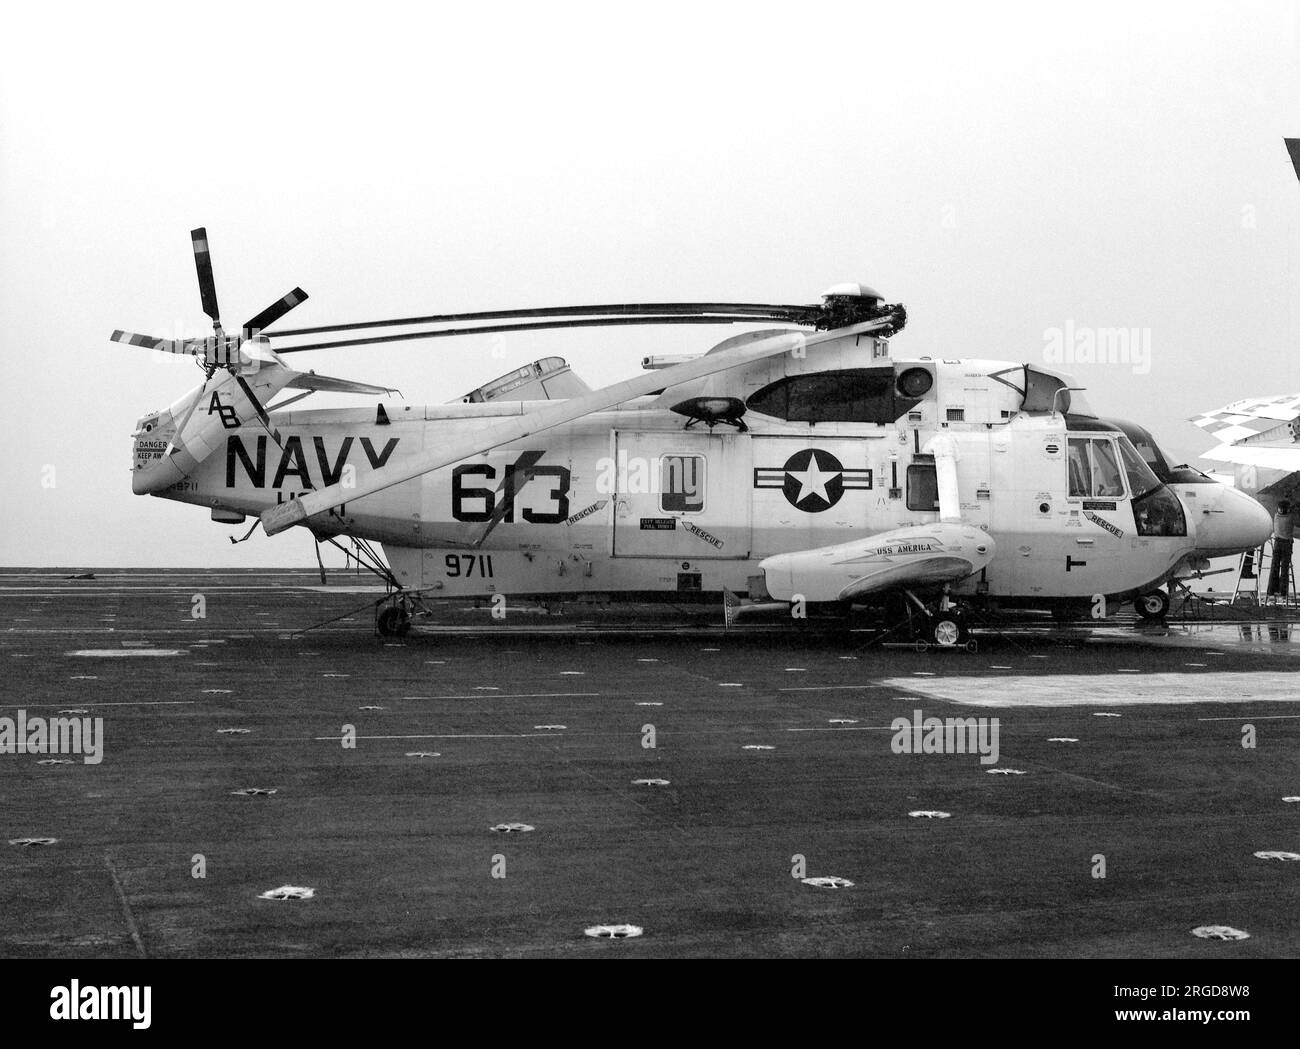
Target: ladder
{"x":1262,"y":560}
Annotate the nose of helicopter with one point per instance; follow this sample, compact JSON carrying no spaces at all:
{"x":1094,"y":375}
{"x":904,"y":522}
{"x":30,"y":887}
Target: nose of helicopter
{"x":1231,"y":522}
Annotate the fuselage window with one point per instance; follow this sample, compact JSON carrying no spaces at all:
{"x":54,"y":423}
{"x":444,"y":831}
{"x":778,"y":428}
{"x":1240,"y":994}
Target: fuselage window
{"x":681,"y":484}
{"x":857,"y":395}
{"x":922,"y":488}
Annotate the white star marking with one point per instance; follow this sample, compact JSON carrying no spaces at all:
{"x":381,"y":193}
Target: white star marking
{"x":812,"y":481}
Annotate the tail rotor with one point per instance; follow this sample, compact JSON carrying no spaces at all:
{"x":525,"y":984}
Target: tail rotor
{"x":241,"y":355}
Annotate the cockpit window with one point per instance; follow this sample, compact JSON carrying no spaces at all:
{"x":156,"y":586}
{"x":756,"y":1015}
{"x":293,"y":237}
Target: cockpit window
{"x":863,"y":395}
{"x":1159,"y":512}
{"x":1141,"y":478}
{"x":1094,"y":469}
{"x":1106,"y":479}
{"x":1146,"y":447}
{"x":1156,"y":459}
{"x":1080,"y":468}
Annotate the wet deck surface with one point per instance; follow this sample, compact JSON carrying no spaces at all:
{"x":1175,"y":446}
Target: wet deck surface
{"x":542,"y":719}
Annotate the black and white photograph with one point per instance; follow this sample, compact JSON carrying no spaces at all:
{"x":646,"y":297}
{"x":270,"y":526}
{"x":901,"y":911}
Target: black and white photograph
{"x":696,"y":482}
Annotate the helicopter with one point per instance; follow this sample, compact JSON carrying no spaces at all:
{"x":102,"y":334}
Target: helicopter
{"x":804,"y":466}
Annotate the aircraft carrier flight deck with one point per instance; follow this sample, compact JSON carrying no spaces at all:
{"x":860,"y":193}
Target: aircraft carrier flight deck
{"x":503,"y":788}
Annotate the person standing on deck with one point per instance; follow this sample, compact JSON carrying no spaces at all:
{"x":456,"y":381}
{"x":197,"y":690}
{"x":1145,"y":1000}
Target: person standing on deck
{"x":1279,"y":576}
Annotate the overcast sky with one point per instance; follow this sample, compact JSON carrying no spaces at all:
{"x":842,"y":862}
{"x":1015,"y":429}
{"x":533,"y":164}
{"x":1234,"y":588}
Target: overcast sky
{"x":999,"y":168}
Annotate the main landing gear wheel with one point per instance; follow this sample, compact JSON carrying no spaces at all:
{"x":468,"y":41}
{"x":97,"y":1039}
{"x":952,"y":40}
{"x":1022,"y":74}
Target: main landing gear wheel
{"x":948,"y":630}
{"x":1152,"y":605}
{"x":393,"y":621}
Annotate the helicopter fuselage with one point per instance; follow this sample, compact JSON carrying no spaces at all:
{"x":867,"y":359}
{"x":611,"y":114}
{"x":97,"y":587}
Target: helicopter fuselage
{"x":640,"y":502}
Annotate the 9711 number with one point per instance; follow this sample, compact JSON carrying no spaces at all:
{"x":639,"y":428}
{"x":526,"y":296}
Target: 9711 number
{"x":467,"y":566}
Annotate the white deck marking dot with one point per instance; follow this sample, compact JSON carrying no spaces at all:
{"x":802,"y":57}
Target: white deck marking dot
{"x":1219,"y":932}
{"x":614,"y":932}
{"x":828,"y":882}
{"x":288,"y":892}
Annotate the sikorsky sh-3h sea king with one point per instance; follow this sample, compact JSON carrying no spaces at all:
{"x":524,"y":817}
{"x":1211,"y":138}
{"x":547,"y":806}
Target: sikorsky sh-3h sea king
{"x":807,"y":465}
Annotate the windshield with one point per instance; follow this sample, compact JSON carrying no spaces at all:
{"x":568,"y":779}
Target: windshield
{"x":1156,"y":459}
{"x":1141,"y":478}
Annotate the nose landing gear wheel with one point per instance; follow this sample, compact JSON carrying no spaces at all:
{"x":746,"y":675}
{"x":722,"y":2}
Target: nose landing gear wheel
{"x":1152,"y":605}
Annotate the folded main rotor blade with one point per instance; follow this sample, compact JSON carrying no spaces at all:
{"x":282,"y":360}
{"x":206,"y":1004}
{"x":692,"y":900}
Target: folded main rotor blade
{"x":273,"y":313}
{"x":261,"y":411}
{"x":1293,"y":150}
{"x":759,"y":311}
{"x":488,"y":329}
{"x":148,"y":342}
{"x":295,"y":511}
{"x":203,"y":264}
